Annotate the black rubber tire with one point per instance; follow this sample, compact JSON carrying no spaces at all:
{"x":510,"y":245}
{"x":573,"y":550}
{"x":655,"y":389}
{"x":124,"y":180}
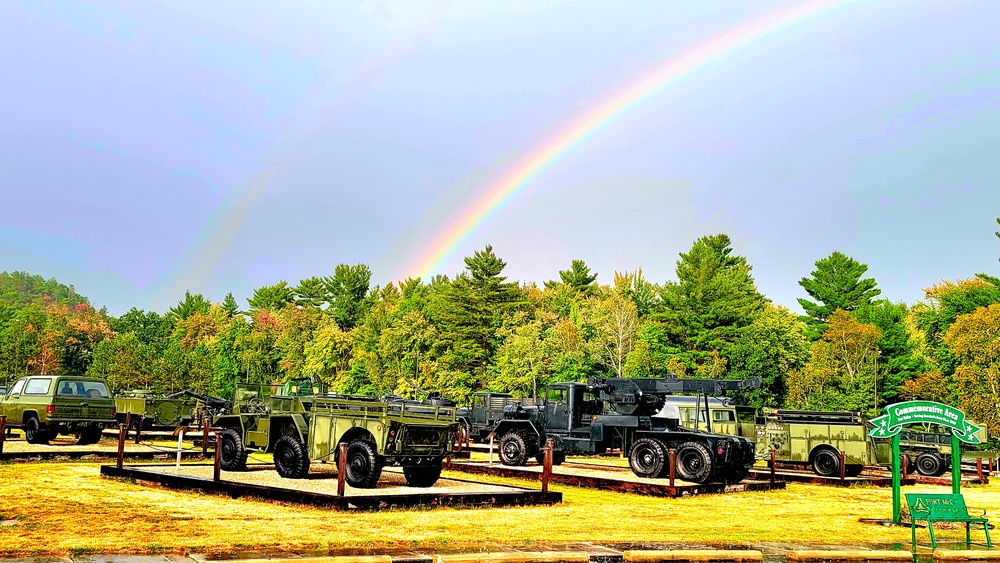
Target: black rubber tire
{"x":826,"y":463}
{"x":558,"y":457}
{"x":852,"y":470}
{"x":694,"y":462}
{"x":234,"y":452}
{"x":648,"y":458}
{"x":363,"y":465}
{"x":422,"y":475}
{"x":930,"y":464}
{"x":513,"y":449}
{"x":737,"y":474}
{"x":290,"y":458}
{"x":89,"y":435}
{"x":34,"y":433}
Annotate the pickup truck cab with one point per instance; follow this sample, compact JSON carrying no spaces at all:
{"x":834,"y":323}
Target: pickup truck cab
{"x":47,"y":405}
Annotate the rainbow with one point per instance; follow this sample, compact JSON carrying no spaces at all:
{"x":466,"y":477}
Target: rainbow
{"x":579,"y":130}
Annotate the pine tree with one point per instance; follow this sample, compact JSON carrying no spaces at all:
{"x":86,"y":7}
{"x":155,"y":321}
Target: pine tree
{"x":836,"y":283}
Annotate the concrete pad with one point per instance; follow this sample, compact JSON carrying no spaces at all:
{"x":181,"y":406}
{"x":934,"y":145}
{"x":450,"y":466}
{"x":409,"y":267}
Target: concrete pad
{"x":656,"y":556}
{"x":850,"y":555}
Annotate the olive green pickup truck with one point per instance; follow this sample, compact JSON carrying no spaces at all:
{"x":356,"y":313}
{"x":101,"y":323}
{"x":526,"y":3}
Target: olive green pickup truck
{"x":47,"y":405}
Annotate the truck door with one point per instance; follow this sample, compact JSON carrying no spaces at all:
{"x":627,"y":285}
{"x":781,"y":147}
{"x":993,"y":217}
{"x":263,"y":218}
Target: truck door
{"x":724,"y":422}
{"x":12,"y":407}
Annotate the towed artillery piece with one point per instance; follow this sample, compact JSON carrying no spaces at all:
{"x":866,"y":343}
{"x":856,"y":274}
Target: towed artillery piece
{"x":630,"y":415}
{"x":145,"y":410}
{"x":299,"y":424}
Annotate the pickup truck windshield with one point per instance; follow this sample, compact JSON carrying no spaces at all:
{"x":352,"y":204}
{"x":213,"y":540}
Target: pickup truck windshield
{"x":38,"y":386}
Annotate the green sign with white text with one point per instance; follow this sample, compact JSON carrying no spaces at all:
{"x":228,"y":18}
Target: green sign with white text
{"x":915,"y":412}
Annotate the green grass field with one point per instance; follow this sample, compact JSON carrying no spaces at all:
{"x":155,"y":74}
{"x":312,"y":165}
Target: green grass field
{"x":64,"y":508}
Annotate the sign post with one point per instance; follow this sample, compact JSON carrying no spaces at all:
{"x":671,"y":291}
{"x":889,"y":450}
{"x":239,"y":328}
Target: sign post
{"x":896,"y":416}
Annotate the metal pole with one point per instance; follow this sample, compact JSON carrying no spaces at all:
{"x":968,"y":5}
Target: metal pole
{"x":341,"y":468}
{"x":772,"y":466}
{"x":121,"y":445}
{"x":180,"y":444}
{"x":896,"y":507}
{"x":956,"y":465}
{"x":3,"y":431}
{"x":218,"y":454}
{"x":673,"y":465}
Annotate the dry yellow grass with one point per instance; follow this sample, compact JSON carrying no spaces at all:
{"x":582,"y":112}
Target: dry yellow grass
{"x":69,"y":508}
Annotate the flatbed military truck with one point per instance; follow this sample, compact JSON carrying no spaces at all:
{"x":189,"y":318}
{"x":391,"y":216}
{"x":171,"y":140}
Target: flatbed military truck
{"x":624,"y":414}
{"x":300,"y":428}
{"x":47,"y":405}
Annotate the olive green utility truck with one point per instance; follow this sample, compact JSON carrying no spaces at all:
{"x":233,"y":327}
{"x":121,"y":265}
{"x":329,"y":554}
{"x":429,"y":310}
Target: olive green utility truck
{"x":47,"y":405}
{"x":300,"y":428}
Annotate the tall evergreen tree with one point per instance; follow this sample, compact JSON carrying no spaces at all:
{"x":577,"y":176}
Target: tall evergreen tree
{"x":348,"y":287}
{"x":578,"y":277}
{"x":713,"y":299}
{"x":271,"y":297}
{"x":190,"y":305}
{"x":836,"y":283}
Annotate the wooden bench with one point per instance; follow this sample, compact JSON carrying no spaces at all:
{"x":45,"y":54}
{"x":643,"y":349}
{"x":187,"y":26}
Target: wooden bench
{"x":932,"y":508}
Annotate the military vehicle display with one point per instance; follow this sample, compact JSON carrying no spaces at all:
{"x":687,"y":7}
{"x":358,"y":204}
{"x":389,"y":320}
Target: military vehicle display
{"x":486,"y":411}
{"x":626,"y":414}
{"x":816,"y":438}
{"x":47,"y":405}
{"x":153,"y":411}
{"x":298,"y":424}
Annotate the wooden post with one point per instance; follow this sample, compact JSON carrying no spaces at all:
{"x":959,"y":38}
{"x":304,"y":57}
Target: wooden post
{"x":491,"y":449}
{"x":341,"y":468}
{"x":460,"y":439}
{"x":673,"y":465}
{"x":904,"y":461}
{"x":204,"y":435}
{"x":772,"y":466}
{"x":121,"y":445}
{"x":547,"y":466}
{"x":3,"y":431}
{"x":979,"y":468}
{"x":138,"y":430}
{"x":468,"y":438}
{"x":218,"y":454}
{"x":128,"y":424}
{"x":843,"y":460}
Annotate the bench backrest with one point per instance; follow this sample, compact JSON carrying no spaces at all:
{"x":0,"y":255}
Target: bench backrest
{"x":942,"y":505}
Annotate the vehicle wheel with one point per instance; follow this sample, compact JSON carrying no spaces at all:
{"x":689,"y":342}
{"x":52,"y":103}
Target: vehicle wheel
{"x":363,"y":465}
{"x":558,"y":457}
{"x":290,"y":458}
{"x":513,"y":449}
{"x":694,"y":462}
{"x":89,"y":435}
{"x":422,"y":475}
{"x":34,"y":433}
{"x":737,"y":474}
{"x":930,"y":464}
{"x":852,"y":470}
{"x":648,"y":457}
{"x":234,"y":453}
{"x":826,"y":463}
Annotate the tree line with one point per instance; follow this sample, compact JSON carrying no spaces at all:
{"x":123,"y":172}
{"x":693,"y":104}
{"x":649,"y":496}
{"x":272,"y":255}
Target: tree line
{"x":851,"y":350}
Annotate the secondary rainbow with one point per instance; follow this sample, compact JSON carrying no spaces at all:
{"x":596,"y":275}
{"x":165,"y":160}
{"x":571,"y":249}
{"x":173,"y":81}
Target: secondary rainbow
{"x":577,"y":131}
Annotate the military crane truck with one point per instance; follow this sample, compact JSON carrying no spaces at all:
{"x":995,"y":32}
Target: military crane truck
{"x":298,"y":429}
{"x":624,"y":414}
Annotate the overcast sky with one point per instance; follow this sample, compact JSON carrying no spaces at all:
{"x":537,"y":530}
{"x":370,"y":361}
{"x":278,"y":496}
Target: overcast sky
{"x":152,"y":147}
